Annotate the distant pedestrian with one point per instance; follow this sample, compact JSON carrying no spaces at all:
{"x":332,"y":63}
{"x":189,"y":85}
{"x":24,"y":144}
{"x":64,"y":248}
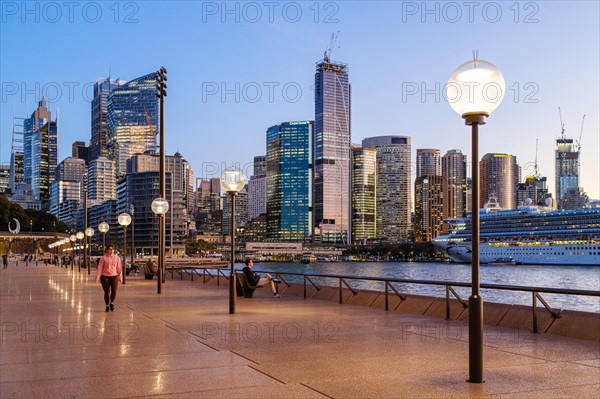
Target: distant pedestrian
{"x":5,"y":261}
{"x":109,"y":274}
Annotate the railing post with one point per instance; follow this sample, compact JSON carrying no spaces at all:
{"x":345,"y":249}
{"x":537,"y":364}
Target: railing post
{"x":304,"y":287}
{"x":340,"y":290}
{"x":535,"y":318}
{"x":447,"y":303}
{"x":386,"y":296}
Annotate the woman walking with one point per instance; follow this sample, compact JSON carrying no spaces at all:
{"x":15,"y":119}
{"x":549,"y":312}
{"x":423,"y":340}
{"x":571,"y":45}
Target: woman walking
{"x":109,"y":274}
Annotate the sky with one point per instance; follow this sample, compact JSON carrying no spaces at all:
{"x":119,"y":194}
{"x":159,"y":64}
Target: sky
{"x":237,"y":68}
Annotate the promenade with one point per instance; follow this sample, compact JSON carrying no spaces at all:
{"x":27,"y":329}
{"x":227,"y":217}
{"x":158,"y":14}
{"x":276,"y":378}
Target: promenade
{"x":58,"y":342}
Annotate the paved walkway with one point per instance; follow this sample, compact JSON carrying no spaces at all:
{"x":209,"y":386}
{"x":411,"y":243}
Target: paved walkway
{"x":57,"y":342}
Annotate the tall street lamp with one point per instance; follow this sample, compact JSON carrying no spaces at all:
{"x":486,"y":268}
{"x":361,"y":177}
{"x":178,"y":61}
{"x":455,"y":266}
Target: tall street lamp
{"x":124,"y":220}
{"x":475,"y":89}
{"x":160,"y":207}
{"x":79,"y":236}
{"x":103,"y":227}
{"x":89,"y":232}
{"x":85,"y":222}
{"x":72,"y":238}
{"x":161,"y":86}
{"x":232,"y":181}
{"x":131,"y":210}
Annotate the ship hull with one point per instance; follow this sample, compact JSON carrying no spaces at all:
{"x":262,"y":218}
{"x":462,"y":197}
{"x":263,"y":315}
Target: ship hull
{"x":570,"y":254}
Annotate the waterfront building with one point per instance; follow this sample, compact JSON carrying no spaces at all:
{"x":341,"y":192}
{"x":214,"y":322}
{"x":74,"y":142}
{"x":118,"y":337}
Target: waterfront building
{"x":364,"y":185}
{"x":101,"y":185}
{"x":241,"y":212}
{"x":499,"y":178}
{"x":332,"y":152}
{"x":428,"y":162}
{"x":393,"y":192}
{"x":44,"y":156}
{"x":431,"y":207}
{"x":132,"y":118}
{"x":289,"y":181}
{"x":23,"y":195}
{"x":102,"y":89}
{"x":575,"y":198}
{"x":256,"y":229}
{"x":566,"y":158}
{"x":454,"y":169}
{"x":257,"y":188}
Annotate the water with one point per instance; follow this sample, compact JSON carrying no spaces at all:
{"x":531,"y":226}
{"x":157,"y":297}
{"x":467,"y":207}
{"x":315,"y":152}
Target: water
{"x":564,"y":277}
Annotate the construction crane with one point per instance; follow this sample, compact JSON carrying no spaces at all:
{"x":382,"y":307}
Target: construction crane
{"x":580,"y":133}
{"x":535,"y":166}
{"x":562,"y":125}
{"x":332,"y":41}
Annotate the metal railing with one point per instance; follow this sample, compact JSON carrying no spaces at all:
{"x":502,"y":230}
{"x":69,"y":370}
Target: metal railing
{"x":448,"y":285}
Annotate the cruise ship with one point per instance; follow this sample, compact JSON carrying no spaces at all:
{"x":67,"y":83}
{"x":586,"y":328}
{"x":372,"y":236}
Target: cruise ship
{"x":528,"y":235}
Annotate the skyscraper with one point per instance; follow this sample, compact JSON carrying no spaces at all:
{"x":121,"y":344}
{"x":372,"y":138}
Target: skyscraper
{"x":332,"y":152}
{"x":44,"y":156}
{"x":428,"y":162}
{"x":431,"y":206}
{"x":289,"y":181}
{"x":208,"y":204}
{"x":132,"y":118}
{"x":257,"y":188}
{"x":393,"y":187}
{"x":101,"y":180}
{"x":567,"y":169}
{"x":454,"y":168}
{"x":364,"y":184}
{"x":32,"y":125}
{"x":102,"y":89}
{"x":499,"y":178}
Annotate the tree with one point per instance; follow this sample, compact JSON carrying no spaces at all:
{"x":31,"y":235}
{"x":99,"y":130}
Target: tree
{"x":198,"y":246}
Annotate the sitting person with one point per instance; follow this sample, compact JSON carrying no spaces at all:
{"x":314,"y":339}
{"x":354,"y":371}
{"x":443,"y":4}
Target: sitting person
{"x":150,"y":269}
{"x":254,"y":279}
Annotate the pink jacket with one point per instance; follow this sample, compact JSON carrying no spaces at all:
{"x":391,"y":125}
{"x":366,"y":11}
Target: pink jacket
{"x":109,"y":266}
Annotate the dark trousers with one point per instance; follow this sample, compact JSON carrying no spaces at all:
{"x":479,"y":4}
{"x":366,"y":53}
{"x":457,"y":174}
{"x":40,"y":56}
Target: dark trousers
{"x":109,"y":285}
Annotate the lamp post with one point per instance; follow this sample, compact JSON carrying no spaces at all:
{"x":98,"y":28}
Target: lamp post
{"x":131,"y":210}
{"x":124,"y":220}
{"x":160,"y":207}
{"x":161,"y":86}
{"x":72,"y":238}
{"x":85,"y":222}
{"x":79,"y":236}
{"x":89,"y":232}
{"x":475,"y":89}
{"x":232,"y":181}
{"x":103,"y":227}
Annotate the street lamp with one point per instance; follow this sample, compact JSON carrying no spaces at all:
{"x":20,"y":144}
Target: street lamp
{"x":79,"y":236}
{"x":103,"y":227}
{"x":72,"y":238}
{"x":232,"y":181}
{"x":89,"y":232}
{"x":161,"y":86}
{"x":160,"y":207}
{"x":131,"y":209}
{"x":124,"y":220}
{"x":475,"y":89}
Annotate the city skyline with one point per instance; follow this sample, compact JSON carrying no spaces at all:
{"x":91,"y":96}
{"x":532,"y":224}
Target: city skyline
{"x":204,"y":116}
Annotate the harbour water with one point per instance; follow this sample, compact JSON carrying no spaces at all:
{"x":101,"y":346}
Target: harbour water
{"x":564,"y":277}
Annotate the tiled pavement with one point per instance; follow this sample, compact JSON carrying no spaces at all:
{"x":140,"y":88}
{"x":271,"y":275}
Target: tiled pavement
{"x":58,"y":342}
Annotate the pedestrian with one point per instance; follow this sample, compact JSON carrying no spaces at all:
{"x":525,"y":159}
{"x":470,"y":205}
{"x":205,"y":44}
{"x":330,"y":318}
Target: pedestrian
{"x":256,"y":279}
{"x":5,"y":261}
{"x":109,"y":274}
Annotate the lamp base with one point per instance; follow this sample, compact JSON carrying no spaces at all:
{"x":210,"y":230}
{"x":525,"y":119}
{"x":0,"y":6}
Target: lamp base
{"x":475,"y":118}
{"x":475,"y":339}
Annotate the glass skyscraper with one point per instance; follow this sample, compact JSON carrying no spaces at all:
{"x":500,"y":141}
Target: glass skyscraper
{"x":332,"y":153}
{"x":364,"y":183}
{"x":289,"y":181}
{"x":44,"y":156}
{"x":393,"y":187}
{"x":132,"y":119}
{"x":102,"y":89}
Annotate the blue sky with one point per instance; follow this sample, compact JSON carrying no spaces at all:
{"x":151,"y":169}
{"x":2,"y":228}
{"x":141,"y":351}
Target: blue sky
{"x":264,"y":53}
